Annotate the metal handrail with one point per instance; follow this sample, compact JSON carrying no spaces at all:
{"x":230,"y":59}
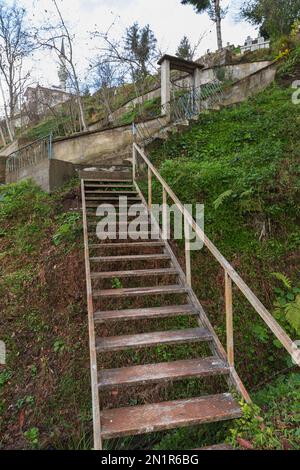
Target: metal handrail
{"x":30,"y":154}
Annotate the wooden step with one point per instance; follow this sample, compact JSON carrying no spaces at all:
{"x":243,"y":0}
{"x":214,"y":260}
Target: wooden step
{"x":112,"y":198}
{"x":133,"y":274}
{"x":114,"y":192}
{"x":168,"y":415}
{"x":110,"y":186}
{"x":118,"y":343}
{"x":115,"y":203}
{"x":107,"y":180}
{"x":141,"y":244}
{"x":167,"y":371}
{"x":141,"y":211}
{"x":140,"y":291}
{"x":145,"y":224}
{"x":145,"y":313}
{"x":141,"y":235}
{"x":113,"y":259}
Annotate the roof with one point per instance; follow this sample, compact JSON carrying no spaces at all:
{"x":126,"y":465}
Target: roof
{"x":176,"y":63}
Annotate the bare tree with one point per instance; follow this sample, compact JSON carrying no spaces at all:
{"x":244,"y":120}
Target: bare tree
{"x":104,"y":78}
{"x":134,"y":54}
{"x":51,"y":37}
{"x":15,"y":45}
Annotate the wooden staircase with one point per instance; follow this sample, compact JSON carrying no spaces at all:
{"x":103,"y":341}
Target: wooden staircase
{"x":143,"y":262}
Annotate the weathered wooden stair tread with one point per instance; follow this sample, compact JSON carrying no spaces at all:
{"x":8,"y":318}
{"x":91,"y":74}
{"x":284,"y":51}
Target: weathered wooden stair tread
{"x":114,"y":192}
{"x":145,"y":224}
{"x":128,"y":245}
{"x":98,"y":184}
{"x":103,"y":180}
{"x":118,"y":213}
{"x":168,"y":415}
{"x":141,"y":235}
{"x":116,"y":203}
{"x":112,"y":198}
{"x":110,"y":259}
{"x":117,"y":343}
{"x":163,"y":372}
{"x":140,"y":291}
{"x":145,"y":313}
{"x":136,"y":273}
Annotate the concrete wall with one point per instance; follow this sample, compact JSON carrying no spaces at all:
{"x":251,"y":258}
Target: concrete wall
{"x":109,"y":146}
{"x":250,"y":86}
{"x":48,"y":174}
{"x":9,"y":149}
{"x":234,"y":73}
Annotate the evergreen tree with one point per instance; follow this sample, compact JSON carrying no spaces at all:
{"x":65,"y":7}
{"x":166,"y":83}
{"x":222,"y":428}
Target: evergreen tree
{"x":140,"y":45}
{"x":184,"y":50}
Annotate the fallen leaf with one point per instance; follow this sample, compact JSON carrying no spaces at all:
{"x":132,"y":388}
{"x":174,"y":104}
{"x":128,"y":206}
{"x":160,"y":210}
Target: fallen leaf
{"x":21,"y":419}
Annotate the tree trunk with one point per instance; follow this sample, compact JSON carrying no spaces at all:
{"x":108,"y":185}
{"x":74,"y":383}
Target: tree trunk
{"x":81,"y":113}
{"x":218,"y":24}
{"x":10,"y":133}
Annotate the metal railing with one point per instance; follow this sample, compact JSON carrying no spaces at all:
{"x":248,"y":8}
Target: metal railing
{"x":184,"y":105}
{"x":30,"y":154}
{"x":230,"y":275}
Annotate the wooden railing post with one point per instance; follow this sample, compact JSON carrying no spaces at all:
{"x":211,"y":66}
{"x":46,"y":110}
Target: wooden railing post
{"x":133,"y":163}
{"x":188,"y":270}
{"x":164,"y":216}
{"x":149,"y":188}
{"x":229,"y":319}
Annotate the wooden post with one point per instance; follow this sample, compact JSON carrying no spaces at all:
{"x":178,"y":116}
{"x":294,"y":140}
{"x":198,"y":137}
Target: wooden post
{"x":149,"y":188}
{"x":164,"y":216}
{"x":133,"y":163}
{"x":229,"y":319}
{"x":188,"y":271}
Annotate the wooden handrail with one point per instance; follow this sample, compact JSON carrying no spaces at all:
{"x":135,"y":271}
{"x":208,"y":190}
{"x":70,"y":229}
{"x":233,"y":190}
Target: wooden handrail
{"x":92,"y":339}
{"x":276,"y":329}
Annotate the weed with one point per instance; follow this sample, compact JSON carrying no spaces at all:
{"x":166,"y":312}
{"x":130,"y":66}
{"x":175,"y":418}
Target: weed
{"x":32,"y":436}
{"x":116,"y":283}
{"x":69,"y":228}
{"x":28,"y":400}
{"x":59,"y":346}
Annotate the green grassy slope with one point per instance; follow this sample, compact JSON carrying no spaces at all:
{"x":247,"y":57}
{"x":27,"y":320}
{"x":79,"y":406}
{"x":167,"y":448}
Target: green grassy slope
{"x":243,"y":163}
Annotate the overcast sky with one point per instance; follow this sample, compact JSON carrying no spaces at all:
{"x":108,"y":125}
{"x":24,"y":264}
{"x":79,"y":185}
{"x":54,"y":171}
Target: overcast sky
{"x":167,"y":18}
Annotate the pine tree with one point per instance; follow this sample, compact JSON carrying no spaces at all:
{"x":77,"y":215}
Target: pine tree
{"x":184,"y":50}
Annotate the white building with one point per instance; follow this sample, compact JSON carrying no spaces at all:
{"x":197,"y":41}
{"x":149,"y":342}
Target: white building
{"x":255,"y":44}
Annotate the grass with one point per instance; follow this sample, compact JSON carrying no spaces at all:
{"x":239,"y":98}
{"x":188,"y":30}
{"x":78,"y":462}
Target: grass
{"x":44,"y":387}
{"x":243,"y":162}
